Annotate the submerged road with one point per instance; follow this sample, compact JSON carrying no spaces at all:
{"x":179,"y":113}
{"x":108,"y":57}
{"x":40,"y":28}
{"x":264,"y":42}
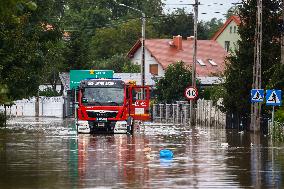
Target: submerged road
{"x":47,"y":153}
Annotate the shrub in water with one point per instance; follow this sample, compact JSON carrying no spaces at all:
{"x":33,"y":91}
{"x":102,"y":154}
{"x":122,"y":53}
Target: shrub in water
{"x":2,"y":119}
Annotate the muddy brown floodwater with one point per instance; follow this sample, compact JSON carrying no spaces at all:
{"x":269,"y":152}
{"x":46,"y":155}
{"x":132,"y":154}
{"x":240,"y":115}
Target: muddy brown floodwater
{"x":47,"y":153}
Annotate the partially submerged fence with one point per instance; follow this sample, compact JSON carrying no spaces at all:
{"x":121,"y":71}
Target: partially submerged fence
{"x":46,"y":106}
{"x":179,"y":113}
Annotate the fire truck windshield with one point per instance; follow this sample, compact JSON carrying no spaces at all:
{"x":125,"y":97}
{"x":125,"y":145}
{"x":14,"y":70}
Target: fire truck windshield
{"x":103,"y":96}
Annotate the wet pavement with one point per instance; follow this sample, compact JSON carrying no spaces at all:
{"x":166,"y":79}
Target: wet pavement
{"x":47,"y":153}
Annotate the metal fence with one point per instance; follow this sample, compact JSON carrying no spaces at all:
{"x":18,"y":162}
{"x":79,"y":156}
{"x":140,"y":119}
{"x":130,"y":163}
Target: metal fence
{"x":179,"y":113}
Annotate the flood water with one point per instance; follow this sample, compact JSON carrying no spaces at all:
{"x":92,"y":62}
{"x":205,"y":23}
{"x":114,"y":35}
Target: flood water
{"x":47,"y":153}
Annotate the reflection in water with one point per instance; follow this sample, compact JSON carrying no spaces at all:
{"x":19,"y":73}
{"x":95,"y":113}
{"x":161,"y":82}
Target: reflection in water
{"x":48,"y":154}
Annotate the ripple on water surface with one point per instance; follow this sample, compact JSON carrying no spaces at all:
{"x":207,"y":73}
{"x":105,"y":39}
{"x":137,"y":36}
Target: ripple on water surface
{"x":47,"y":153}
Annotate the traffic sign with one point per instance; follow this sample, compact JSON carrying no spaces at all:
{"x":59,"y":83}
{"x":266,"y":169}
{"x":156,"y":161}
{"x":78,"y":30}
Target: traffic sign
{"x":191,"y":93}
{"x":257,"y":95}
{"x":273,"y":97}
{"x":76,"y":76}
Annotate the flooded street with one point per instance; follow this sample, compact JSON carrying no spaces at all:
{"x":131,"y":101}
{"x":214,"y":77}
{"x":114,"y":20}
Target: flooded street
{"x":47,"y":153}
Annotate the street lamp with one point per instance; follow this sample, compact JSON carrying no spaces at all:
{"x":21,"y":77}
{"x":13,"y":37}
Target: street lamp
{"x":142,"y":42}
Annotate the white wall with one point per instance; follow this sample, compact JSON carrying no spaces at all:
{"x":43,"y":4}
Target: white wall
{"x":148,"y":60}
{"x":48,"y":106}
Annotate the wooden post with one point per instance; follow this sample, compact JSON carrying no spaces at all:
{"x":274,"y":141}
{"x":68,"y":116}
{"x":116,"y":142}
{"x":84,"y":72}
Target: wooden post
{"x":5,"y":115}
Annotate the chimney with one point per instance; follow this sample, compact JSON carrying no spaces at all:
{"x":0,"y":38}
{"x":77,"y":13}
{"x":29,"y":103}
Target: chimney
{"x":177,"y":41}
{"x":190,"y":38}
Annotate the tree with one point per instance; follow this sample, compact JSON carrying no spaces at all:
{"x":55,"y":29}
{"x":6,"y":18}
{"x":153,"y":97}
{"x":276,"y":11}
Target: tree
{"x":178,"y":22}
{"x":54,"y":62}
{"x":206,"y":30}
{"x":171,"y":87}
{"x":23,"y":46}
{"x":234,"y":10}
{"x":239,"y":68}
{"x":100,"y":29}
{"x":117,"y":39}
{"x":119,"y":63}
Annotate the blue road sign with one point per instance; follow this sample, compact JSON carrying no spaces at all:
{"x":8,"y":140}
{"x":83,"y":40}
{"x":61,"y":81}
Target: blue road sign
{"x":273,"y":97}
{"x":257,"y":95}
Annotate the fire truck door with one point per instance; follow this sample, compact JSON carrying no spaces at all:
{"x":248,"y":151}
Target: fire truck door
{"x":139,"y":102}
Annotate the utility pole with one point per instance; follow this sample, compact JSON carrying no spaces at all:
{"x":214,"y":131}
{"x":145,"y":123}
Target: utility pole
{"x":256,"y":107}
{"x":142,"y":43}
{"x":282,"y":35}
{"x":143,"y":51}
{"x":193,"y":77}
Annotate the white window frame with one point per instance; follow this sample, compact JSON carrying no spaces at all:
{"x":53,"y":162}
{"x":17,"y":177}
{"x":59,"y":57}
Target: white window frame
{"x":201,"y":62}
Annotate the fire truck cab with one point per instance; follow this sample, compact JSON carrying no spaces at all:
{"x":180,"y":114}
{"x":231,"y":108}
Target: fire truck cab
{"x":111,"y":105}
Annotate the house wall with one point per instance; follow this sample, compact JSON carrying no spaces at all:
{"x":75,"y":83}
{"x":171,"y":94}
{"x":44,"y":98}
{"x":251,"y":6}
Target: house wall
{"x":227,"y":36}
{"x":148,"y":60}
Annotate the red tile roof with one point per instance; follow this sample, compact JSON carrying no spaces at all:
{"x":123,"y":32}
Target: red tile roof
{"x":234,"y":18}
{"x":165,"y":54}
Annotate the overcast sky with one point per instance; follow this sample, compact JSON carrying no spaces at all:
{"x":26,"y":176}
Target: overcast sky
{"x":210,"y":7}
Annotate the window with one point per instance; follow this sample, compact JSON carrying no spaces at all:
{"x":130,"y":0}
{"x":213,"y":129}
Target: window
{"x":227,"y":46}
{"x":96,"y":96}
{"x":154,"y":69}
{"x":231,"y":29}
{"x":201,"y":62}
{"x":212,"y":62}
{"x":235,"y":29}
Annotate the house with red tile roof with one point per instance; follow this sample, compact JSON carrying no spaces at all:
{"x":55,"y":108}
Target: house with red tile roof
{"x":227,"y":36}
{"x":160,"y":53}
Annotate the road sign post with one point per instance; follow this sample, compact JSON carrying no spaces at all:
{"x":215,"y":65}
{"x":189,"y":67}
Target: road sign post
{"x":273,"y":98}
{"x":191,"y":93}
{"x":257,"y":95}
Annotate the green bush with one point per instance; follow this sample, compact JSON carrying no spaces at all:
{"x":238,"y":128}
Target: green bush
{"x":2,"y":119}
{"x":279,"y":115}
{"x":171,"y":87}
{"x":277,"y":132}
{"x":49,"y":92}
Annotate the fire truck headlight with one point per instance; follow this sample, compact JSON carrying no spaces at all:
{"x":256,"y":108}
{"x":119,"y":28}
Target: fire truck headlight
{"x":120,"y":124}
{"x":83,"y":123}
{"x":83,"y":127}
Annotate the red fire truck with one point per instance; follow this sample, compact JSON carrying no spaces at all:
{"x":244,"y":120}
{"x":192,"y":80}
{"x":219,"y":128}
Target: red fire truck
{"x":111,"y":105}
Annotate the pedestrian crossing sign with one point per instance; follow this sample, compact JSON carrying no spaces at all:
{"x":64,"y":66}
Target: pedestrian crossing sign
{"x":257,"y":95}
{"x":273,"y":97}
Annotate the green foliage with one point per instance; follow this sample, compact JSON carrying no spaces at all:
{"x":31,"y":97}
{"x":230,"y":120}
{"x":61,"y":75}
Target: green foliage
{"x":206,"y":30}
{"x":213,"y":93}
{"x":49,"y":92}
{"x":100,"y":29}
{"x":54,"y":62}
{"x":178,"y":22}
{"x":2,"y":119}
{"x":3,"y":94}
{"x":277,"y":132}
{"x":279,"y":115}
{"x":171,"y":87}
{"x":119,"y":63}
{"x":239,"y":68}
{"x":28,"y":47}
{"x":118,"y":39}
{"x":234,"y":10}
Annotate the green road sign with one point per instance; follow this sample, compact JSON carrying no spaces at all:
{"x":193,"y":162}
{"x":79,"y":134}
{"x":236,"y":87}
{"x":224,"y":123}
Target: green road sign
{"x":76,"y":76}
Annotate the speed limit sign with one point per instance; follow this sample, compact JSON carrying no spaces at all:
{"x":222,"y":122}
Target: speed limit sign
{"x":191,"y":93}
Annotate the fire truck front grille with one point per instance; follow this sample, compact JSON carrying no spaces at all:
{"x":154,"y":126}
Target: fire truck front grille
{"x":101,"y":114}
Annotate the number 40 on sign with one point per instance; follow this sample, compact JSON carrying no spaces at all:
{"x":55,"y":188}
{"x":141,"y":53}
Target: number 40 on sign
{"x":191,"y":93}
